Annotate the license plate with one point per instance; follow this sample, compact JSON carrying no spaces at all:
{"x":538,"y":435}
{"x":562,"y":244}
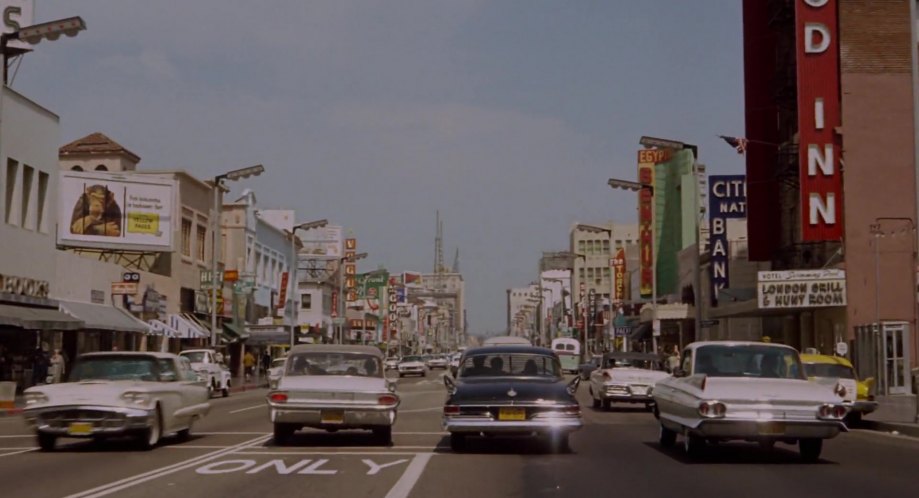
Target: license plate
{"x":80,"y":429}
{"x":514,"y":414}
{"x":640,"y":390}
{"x":332,"y":417}
{"x":771,"y":428}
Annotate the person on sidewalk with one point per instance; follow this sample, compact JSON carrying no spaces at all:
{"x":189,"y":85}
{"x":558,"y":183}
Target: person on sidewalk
{"x":249,"y":364}
{"x":58,"y":365}
{"x":39,"y":366}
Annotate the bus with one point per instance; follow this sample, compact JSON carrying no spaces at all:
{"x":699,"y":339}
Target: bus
{"x":569,"y":353}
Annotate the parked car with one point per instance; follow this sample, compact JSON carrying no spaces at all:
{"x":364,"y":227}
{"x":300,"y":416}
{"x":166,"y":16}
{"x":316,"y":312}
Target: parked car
{"x":392,"y":363}
{"x":838,"y":374}
{"x":209,"y":363}
{"x":411,"y":365}
{"x":625,"y":378}
{"x":511,"y":390}
{"x":119,"y":394}
{"x":746,"y":391}
{"x":333,"y":387}
{"x":275,"y":371}
{"x":584,"y":369}
{"x":437,"y":361}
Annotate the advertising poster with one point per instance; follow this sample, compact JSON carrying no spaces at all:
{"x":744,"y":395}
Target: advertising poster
{"x":116,"y":211}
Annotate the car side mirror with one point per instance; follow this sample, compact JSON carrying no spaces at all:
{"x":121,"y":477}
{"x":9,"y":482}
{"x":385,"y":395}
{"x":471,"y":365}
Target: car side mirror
{"x":679,"y":372}
{"x":573,"y":385}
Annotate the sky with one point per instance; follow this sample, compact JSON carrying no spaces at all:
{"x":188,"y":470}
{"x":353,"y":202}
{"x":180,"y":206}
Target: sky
{"x":508,"y":116}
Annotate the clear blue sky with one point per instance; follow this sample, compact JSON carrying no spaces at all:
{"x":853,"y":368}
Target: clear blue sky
{"x":508,"y":116}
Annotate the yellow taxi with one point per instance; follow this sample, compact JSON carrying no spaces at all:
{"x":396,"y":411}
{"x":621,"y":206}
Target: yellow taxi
{"x":856,"y":394}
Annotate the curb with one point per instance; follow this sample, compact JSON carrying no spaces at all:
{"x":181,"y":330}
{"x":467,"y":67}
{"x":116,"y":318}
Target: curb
{"x":10,"y":412}
{"x":904,"y":429}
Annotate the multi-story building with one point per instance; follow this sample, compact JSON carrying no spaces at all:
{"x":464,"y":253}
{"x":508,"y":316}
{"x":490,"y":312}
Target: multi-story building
{"x":522,"y":311}
{"x":447,"y":291}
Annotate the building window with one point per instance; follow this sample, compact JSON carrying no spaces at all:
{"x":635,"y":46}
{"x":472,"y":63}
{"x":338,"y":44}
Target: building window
{"x":77,"y":168}
{"x":581,"y":273}
{"x":101,"y":167}
{"x":590,"y":274}
{"x":306,"y":301}
{"x":581,"y":246}
{"x":186,"y":237}
{"x":28,"y":174}
{"x":606,"y":246}
{"x":201,"y":239}
{"x":43,"y":179}
{"x":12,"y":173}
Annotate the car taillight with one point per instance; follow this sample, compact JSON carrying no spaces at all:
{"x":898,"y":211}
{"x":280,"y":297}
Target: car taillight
{"x":704,"y":409}
{"x":825,"y":411}
{"x":571,"y":410}
{"x":387,"y":399}
{"x":712,"y":409}
{"x":451,"y":410}
{"x":839,"y":411}
{"x":278,"y":397}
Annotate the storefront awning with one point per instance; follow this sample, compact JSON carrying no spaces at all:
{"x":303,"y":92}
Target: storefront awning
{"x":669,"y":311}
{"x":102,"y":317}
{"x":234,"y":331}
{"x":261,"y":335}
{"x":27,"y":317}
{"x":187,"y":326}
{"x":750,"y":309}
{"x":158,"y":327}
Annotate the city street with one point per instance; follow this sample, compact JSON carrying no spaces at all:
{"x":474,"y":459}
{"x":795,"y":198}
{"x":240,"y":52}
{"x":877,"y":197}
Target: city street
{"x":232,"y":454}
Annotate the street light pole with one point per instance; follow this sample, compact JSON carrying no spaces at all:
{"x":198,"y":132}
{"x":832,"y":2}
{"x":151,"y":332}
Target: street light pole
{"x":294,"y":268}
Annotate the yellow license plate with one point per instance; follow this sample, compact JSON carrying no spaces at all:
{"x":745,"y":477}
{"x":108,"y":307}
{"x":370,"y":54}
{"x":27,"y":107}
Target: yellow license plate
{"x":514,"y":414}
{"x":332,"y":417}
{"x":80,"y":429}
{"x":771,"y":428}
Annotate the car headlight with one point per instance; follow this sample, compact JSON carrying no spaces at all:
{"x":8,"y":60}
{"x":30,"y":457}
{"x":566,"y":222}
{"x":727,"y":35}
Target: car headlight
{"x":35,"y":398}
{"x":136,"y":398}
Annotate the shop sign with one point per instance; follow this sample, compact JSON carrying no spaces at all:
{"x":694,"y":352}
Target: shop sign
{"x":24,"y":286}
{"x":646,"y":162}
{"x":96,"y":296}
{"x":282,"y":294}
{"x":727,"y":198}
{"x":619,"y":276}
{"x":801,"y":289}
{"x":818,"y":118}
{"x":124,"y":288}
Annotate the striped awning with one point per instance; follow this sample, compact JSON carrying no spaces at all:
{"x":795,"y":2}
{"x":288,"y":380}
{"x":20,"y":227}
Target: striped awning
{"x":158,"y":327}
{"x":186,"y":326}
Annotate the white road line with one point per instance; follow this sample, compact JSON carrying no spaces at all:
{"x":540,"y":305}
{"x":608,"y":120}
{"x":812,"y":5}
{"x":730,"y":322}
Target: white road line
{"x":196,"y":447}
{"x":229,"y":433}
{"x":263,"y":405}
{"x":25,"y":450}
{"x":338,"y":449}
{"x":114,"y":487}
{"x":410,"y":477}
{"x":328,"y":453}
{"x":18,"y":435}
{"x":420,"y":433}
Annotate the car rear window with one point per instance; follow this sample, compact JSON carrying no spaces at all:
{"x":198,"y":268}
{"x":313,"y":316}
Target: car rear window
{"x":829,"y":370}
{"x":510,"y":365}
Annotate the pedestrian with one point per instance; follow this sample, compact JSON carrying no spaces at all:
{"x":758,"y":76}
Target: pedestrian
{"x":249,"y":364}
{"x":58,"y":367}
{"x":673,"y":361}
{"x":266,"y":361}
{"x":39,"y":366}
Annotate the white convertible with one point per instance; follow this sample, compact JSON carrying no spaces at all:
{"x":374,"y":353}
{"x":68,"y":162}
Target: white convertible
{"x":626,"y":378}
{"x":333,"y":387}
{"x":746,"y":391}
{"x":140,"y":395}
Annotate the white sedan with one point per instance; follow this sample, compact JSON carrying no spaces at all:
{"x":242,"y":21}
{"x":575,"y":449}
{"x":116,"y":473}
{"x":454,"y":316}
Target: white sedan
{"x":437,"y":361}
{"x":746,"y":391}
{"x":140,"y":395}
{"x":625,"y":378}
{"x":275,"y":372}
{"x":333,"y":387}
{"x":412,"y":365}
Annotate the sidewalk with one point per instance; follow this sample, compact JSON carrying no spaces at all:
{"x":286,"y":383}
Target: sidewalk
{"x":18,"y":403}
{"x":894,"y":414}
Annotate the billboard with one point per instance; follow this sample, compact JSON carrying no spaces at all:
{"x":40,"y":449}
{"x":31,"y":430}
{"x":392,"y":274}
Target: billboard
{"x":17,"y":14}
{"x":370,"y":290}
{"x":325,"y":241}
{"x":116,"y":211}
{"x":819,"y":117}
{"x":800,"y":289}
{"x":727,"y":198}
{"x":646,"y":161}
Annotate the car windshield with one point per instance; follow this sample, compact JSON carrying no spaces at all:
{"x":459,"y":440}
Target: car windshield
{"x":353,"y":364}
{"x":412,"y":358}
{"x":195,"y":356}
{"x":510,"y":365}
{"x":829,"y":370}
{"x":114,"y":368}
{"x":748,"y":361}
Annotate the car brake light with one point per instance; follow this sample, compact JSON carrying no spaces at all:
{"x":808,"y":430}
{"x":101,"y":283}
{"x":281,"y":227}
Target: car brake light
{"x":278,"y":397}
{"x":839,"y":411}
{"x":387,"y":399}
{"x":451,"y":410}
{"x":704,"y":409}
{"x":571,"y":410}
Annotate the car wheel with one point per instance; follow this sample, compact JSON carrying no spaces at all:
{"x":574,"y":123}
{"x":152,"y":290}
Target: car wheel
{"x":226,"y":390}
{"x":46,"y":441}
{"x":150,"y":436}
{"x":853,"y":418}
{"x":693,"y":445}
{"x":457,"y":442}
{"x":667,"y":437}
{"x":558,"y":443}
{"x":185,"y":434}
{"x":810,"y":449}
{"x":383,"y":435}
{"x":283,"y":433}
{"x":606,"y":404}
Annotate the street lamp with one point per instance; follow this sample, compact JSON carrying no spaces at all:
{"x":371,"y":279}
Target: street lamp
{"x":341,"y":293}
{"x":636,"y":187}
{"x":295,"y":264}
{"x":234,"y":175}
{"x":34,"y":34}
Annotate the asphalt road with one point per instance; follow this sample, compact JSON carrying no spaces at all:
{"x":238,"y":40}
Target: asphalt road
{"x":616,"y":453}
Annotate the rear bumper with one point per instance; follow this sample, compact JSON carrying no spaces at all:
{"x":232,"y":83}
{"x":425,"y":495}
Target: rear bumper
{"x":775,"y":430}
{"x":104,"y":420}
{"x":353,"y":416}
{"x":862,"y":406}
{"x":545,"y":426}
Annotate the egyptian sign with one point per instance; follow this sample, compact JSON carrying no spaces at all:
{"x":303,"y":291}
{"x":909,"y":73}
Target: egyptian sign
{"x":801,"y":289}
{"x":727,"y":198}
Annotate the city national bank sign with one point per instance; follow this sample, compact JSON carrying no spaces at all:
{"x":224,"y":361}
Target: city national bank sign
{"x":727,"y":198}
{"x":818,"y":117}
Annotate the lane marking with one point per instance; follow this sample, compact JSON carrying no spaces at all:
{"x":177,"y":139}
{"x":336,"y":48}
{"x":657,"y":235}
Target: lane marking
{"x":196,"y":447}
{"x":26,"y":450}
{"x":327,"y":453}
{"x":25,"y":435}
{"x":441,"y":433}
{"x":410,"y":477}
{"x":114,"y":487}
{"x":416,"y":410}
{"x":263,"y":405}
{"x":196,"y":433}
{"x":368,"y":450}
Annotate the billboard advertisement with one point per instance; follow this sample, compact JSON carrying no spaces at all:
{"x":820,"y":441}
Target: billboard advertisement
{"x":727,"y":198}
{"x":645,"y":220}
{"x":819,"y":117}
{"x":325,"y":241}
{"x":370,"y":291}
{"x":116,"y":211}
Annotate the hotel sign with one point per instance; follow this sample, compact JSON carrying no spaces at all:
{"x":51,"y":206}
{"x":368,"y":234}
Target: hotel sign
{"x":801,"y":289}
{"x":818,"y":117}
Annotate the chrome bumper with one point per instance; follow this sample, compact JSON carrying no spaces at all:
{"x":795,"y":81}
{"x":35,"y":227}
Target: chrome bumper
{"x":354,"y":415}
{"x":541,"y":426}
{"x":861,"y":406}
{"x":105,"y":420}
{"x":771,"y":429}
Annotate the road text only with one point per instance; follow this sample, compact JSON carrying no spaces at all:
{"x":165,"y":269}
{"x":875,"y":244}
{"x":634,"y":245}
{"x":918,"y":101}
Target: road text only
{"x":317,"y":467}
{"x":818,"y":118}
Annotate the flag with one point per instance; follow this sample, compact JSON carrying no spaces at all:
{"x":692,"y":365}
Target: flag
{"x":738,"y":143}
{"x":411,"y":279}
